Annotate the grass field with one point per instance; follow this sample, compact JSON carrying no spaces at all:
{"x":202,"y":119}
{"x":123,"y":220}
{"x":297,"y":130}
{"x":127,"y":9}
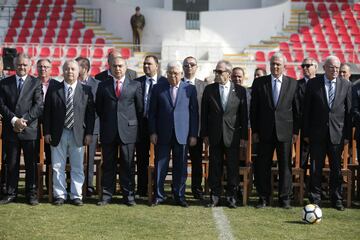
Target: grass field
{"x":117,"y":221}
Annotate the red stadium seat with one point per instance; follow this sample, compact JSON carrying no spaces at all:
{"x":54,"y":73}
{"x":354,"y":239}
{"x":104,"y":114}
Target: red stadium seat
{"x":95,"y":70}
{"x":89,"y":33}
{"x":40,"y":23}
{"x":34,"y":39}
{"x":71,"y":52}
{"x":260,"y":56}
{"x":45,"y":52}
{"x":37,"y":32}
{"x":74,"y":40}
{"x":87,"y":40}
{"x":78,"y":25}
{"x":65,"y":24}
{"x":61,"y":40}
{"x":58,"y":52}
{"x":32,"y":52}
{"x":55,"y":72}
{"x":11,"y":32}
{"x":22,"y":39}
{"x":63,"y":33}
{"x":100,"y":41}
{"x":98,"y":53}
{"x":48,"y":40}
{"x":85,"y":52}
{"x":76,"y":33}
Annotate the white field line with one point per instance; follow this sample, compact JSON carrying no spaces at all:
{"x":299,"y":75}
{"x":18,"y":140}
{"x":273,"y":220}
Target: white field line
{"x":222,"y":224}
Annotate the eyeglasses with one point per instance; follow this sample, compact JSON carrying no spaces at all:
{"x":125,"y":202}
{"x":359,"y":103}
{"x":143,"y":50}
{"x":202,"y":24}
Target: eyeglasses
{"x":190,"y":65}
{"x":216,"y":71}
{"x":307,"y":65}
{"x":173,"y":73}
{"x":46,"y":67}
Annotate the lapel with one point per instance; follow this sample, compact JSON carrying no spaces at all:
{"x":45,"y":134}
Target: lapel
{"x":25,"y":88}
{"x":61,"y":93}
{"x":77,"y":94}
{"x":217,"y":96}
{"x":323,"y":90}
{"x":168,"y":94}
{"x":13,"y":88}
{"x":124,"y":87}
{"x":269,"y":91}
{"x":109,"y":87}
{"x":231,"y":96}
{"x":283,"y":89}
{"x":338,"y":89}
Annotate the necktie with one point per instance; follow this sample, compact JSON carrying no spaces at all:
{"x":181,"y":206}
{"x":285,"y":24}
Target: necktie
{"x":331,"y":94}
{"x":223,"y":97}
{"x":21,"y":83}
{"x":117,"y":89}
{"x":147,"y":98}
{"x":276,"y":91}
{"x":69,"y":117}
{"x":173,"y":94}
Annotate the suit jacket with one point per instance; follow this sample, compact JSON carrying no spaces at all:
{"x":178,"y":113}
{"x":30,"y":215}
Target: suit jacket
{"x":166,"y":117}
{"x":55,"y":111}
{"x":28,"y":105}
{"x":130,"y":74}
{"x":355,"y":107}
{"x":319,"y":119}
{"x":229,"y":124}
{"x":93,"y":83}
{"x":119,"y":115}
{"x":265,"y":116}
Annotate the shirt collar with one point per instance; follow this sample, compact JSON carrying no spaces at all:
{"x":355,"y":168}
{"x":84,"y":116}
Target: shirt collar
{"x":121,"y":79}
{"x":23,"y":78}
{"x":226,"y":85}
{"x":192,"y":81}
{"x":73,"y":86}
{"x":328,"y":80}
{"x":279,"y":78}
{"x":154,"y":78}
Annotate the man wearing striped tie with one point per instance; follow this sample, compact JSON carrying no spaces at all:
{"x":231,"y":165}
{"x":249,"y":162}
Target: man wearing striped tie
{"x":327,"y":126}
{"x":69,"y":117}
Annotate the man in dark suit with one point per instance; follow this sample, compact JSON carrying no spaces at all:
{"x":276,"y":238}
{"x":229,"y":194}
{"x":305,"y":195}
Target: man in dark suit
{"x":309,"y":66}
{"x":69,"y":116}
{"x":190,"y":67}
{"x":119,"y":104}
{"x":44,"y":71}
{"x":327,"y":126}
{"x":148,"y":81}
{"x":104,"y":75}
{"x":85,"y":78}
{"x":224,"y":127}
{"x":20,"y":105}
{"x":173,"y":122}
{"x":274,"y":122}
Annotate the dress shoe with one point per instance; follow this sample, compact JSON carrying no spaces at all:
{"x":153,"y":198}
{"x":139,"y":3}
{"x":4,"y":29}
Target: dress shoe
{"x":157,"y":202}
{"x":214,"y":202}
{"x":77,"y":202}
{"x":58,"y":202}
{"x":33,"y":201}
{"x":285,"y":204}
{"x":182,"y":203}
{"x":130,"y":203}
{"x":103,"y":202}
{"x":338,"y":206}
{"x":231,"y":202}
{"x":90,"y":191}
{"x":199,"y":196}
{"x":8,"y":199}
{"x":262,"y":203}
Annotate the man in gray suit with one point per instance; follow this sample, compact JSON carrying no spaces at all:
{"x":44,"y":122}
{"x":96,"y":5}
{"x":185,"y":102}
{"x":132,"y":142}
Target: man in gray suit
{"x":69,"y":117}
{"x":85,"y":78}
{"x":190,"y":67}
{"x":20,"y":105}
{"x":119,"y":104}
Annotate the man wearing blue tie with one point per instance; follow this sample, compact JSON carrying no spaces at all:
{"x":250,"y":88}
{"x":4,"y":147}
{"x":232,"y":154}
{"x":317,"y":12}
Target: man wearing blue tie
{"x":173,"y":122}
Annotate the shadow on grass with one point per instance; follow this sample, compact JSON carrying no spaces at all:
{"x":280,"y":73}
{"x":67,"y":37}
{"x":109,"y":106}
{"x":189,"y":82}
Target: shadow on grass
{"x":296,"y":222}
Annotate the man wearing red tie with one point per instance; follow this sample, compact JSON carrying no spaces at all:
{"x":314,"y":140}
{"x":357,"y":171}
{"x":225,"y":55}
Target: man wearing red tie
{"x":119,"y":104}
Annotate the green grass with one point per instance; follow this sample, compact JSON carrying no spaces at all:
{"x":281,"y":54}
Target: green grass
{"x":117,"y":221}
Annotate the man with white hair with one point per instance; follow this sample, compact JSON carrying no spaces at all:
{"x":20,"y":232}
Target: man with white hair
{"x":173,"y":123}
{"x":327,"y":126}
{"x":69,"y":117}
{"x":274,"y":123}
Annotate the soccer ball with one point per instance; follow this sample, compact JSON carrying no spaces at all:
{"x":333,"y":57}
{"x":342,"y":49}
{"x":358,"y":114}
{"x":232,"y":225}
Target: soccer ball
{"x":311,"y":214}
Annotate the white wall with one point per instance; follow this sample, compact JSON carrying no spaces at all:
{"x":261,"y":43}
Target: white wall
{"x":233,"y":4}
{"x":236,"y":29}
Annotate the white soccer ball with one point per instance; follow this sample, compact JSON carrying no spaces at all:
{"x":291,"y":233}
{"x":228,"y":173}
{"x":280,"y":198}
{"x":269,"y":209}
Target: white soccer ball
{"x":311,"y":213}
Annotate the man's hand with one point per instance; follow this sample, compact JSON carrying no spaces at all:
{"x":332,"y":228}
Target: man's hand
{"x":192,"y":141}
{"x":206,"y":140}
{"x":47,"y":138}
{"x":294,"y":138}
{"x":243,"y":143}
{"x":307,"y":140}
{"x":255,"y":138}
{"x":87,"y":139}
{"x":20,"y":124}
{"x":153,"y":138}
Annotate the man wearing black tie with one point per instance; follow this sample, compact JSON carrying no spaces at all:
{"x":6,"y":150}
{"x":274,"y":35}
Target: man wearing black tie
{"x":274,"y":122}
{"x":151,"y":77}
{"x":21,"y":105}
{"x":190,"y":67}
{"x":327,"y":126}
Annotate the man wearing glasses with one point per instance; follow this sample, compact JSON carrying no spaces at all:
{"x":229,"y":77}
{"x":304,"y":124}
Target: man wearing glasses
{"x":224,"y":128}
{"x":173,"y":123}
{"x":190,"y":67}
{"x":309,"y":67}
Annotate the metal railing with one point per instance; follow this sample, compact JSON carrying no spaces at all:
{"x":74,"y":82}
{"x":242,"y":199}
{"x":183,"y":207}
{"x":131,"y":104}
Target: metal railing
{"x":193,"y":20}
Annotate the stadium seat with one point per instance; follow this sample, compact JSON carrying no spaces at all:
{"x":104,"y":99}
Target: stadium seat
{"x":78,"y":25}
{"x":85,"y":52}
{"x":74,"y":40}
{"x":32,"y":51}
{"x":89,"y":33}
{"x":260,"y":56}
{"x":95,"y":70}
{"x":34,"y":39}
{"x":63,"y":33}
{"x":61,"y":40}
{"x":100,"y":41}
{"x":98,"y":53}
{"x":71,"y":52}
{"x":58,"y":52}
{"x":45,"y":52}
{"x":48,"y":40}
